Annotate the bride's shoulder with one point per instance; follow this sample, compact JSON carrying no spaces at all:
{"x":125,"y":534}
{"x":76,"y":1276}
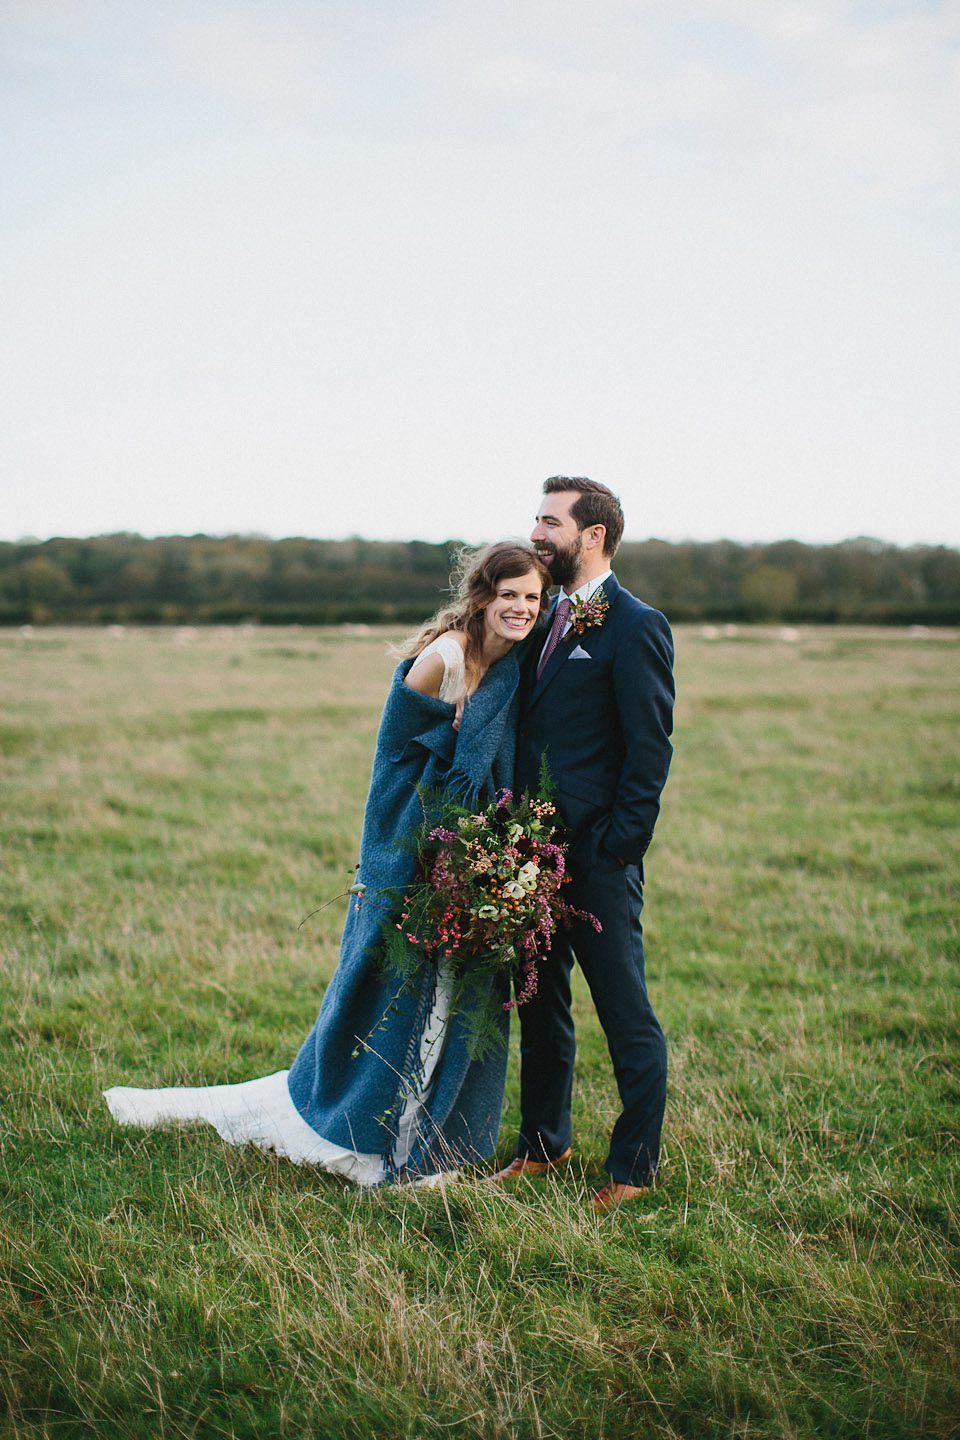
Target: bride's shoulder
{"x":438,"y":669}
{"x":452,"y":637}
{"x":450,"y":646}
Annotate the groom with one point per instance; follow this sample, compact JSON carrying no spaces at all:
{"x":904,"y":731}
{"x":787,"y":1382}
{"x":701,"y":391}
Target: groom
{"x":599,"y":705}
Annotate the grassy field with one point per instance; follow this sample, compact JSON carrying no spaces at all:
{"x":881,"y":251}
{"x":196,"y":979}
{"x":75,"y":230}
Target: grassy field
{"x":174,"y":804}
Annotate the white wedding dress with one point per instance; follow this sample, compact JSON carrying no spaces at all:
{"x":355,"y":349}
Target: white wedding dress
{"x":260,"y":1112}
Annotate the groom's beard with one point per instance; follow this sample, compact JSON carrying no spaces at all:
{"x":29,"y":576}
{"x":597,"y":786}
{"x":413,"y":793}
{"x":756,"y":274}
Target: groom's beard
{"x":563,"y":561}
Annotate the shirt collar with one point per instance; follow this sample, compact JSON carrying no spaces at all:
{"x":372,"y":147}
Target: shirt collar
{"x":586,"y":591}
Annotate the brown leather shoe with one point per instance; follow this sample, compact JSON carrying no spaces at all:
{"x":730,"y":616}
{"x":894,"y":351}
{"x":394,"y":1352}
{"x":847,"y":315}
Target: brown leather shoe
{"x":523,"y":1165}
{"x":612,"y":1196}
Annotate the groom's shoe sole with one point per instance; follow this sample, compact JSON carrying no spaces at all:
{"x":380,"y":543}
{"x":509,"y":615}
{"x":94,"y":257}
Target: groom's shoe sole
{"x":522,"y":1165}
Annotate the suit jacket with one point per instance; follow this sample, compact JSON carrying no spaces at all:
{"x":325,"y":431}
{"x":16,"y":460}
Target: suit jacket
{"x":602,"y":713}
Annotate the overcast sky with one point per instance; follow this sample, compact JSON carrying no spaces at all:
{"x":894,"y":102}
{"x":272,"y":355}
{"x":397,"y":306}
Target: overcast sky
{"x":331,"y":267}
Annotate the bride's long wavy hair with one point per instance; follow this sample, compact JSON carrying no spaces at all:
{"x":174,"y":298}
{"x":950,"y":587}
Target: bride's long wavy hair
{"x":477,"y":576}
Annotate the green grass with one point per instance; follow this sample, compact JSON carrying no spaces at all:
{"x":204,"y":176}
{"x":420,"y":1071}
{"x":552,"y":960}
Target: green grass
{"x":174,"y":808}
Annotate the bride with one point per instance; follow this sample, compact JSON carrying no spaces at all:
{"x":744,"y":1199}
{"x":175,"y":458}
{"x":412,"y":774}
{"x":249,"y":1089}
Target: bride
{"x":383,"y":1087}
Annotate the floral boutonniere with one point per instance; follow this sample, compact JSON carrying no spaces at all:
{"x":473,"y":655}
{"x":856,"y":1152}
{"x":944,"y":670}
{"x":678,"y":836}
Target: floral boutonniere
{"x":585,"y":614}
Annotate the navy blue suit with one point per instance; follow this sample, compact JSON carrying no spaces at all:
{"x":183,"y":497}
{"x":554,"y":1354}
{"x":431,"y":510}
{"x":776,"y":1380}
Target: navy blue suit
{"x":602,"y":714}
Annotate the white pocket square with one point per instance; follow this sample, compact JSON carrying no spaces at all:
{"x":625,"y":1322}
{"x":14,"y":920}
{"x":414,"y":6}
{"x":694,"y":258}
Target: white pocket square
{"x":578,"y":653}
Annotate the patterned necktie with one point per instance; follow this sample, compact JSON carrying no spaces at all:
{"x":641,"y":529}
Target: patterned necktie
{"x":556,"y":630}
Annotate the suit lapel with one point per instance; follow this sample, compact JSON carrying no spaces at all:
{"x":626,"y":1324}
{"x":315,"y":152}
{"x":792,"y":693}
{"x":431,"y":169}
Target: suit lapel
{"x":538,"y":687}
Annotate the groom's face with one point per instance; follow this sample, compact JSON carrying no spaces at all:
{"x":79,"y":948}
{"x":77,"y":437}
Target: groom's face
{"x":556,"y":537}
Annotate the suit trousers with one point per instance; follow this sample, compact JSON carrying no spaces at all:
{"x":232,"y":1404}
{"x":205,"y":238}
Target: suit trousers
{"x":613,"y":965}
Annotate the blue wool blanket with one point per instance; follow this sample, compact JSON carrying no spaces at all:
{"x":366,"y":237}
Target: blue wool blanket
{"x":352,"y":1095}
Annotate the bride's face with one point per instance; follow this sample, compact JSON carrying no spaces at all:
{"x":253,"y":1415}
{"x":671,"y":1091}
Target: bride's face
{"x":513,"y":611}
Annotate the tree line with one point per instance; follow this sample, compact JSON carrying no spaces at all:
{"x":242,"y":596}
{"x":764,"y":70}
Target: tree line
{"x":198,"y":579}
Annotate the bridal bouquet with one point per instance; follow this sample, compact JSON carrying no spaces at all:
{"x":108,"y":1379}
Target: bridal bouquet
{"x":486,"y":898}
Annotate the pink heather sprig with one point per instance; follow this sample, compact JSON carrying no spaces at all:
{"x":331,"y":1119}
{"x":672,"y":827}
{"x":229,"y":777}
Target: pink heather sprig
{"x":556,"y":853}
{"x":528,"y":990}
